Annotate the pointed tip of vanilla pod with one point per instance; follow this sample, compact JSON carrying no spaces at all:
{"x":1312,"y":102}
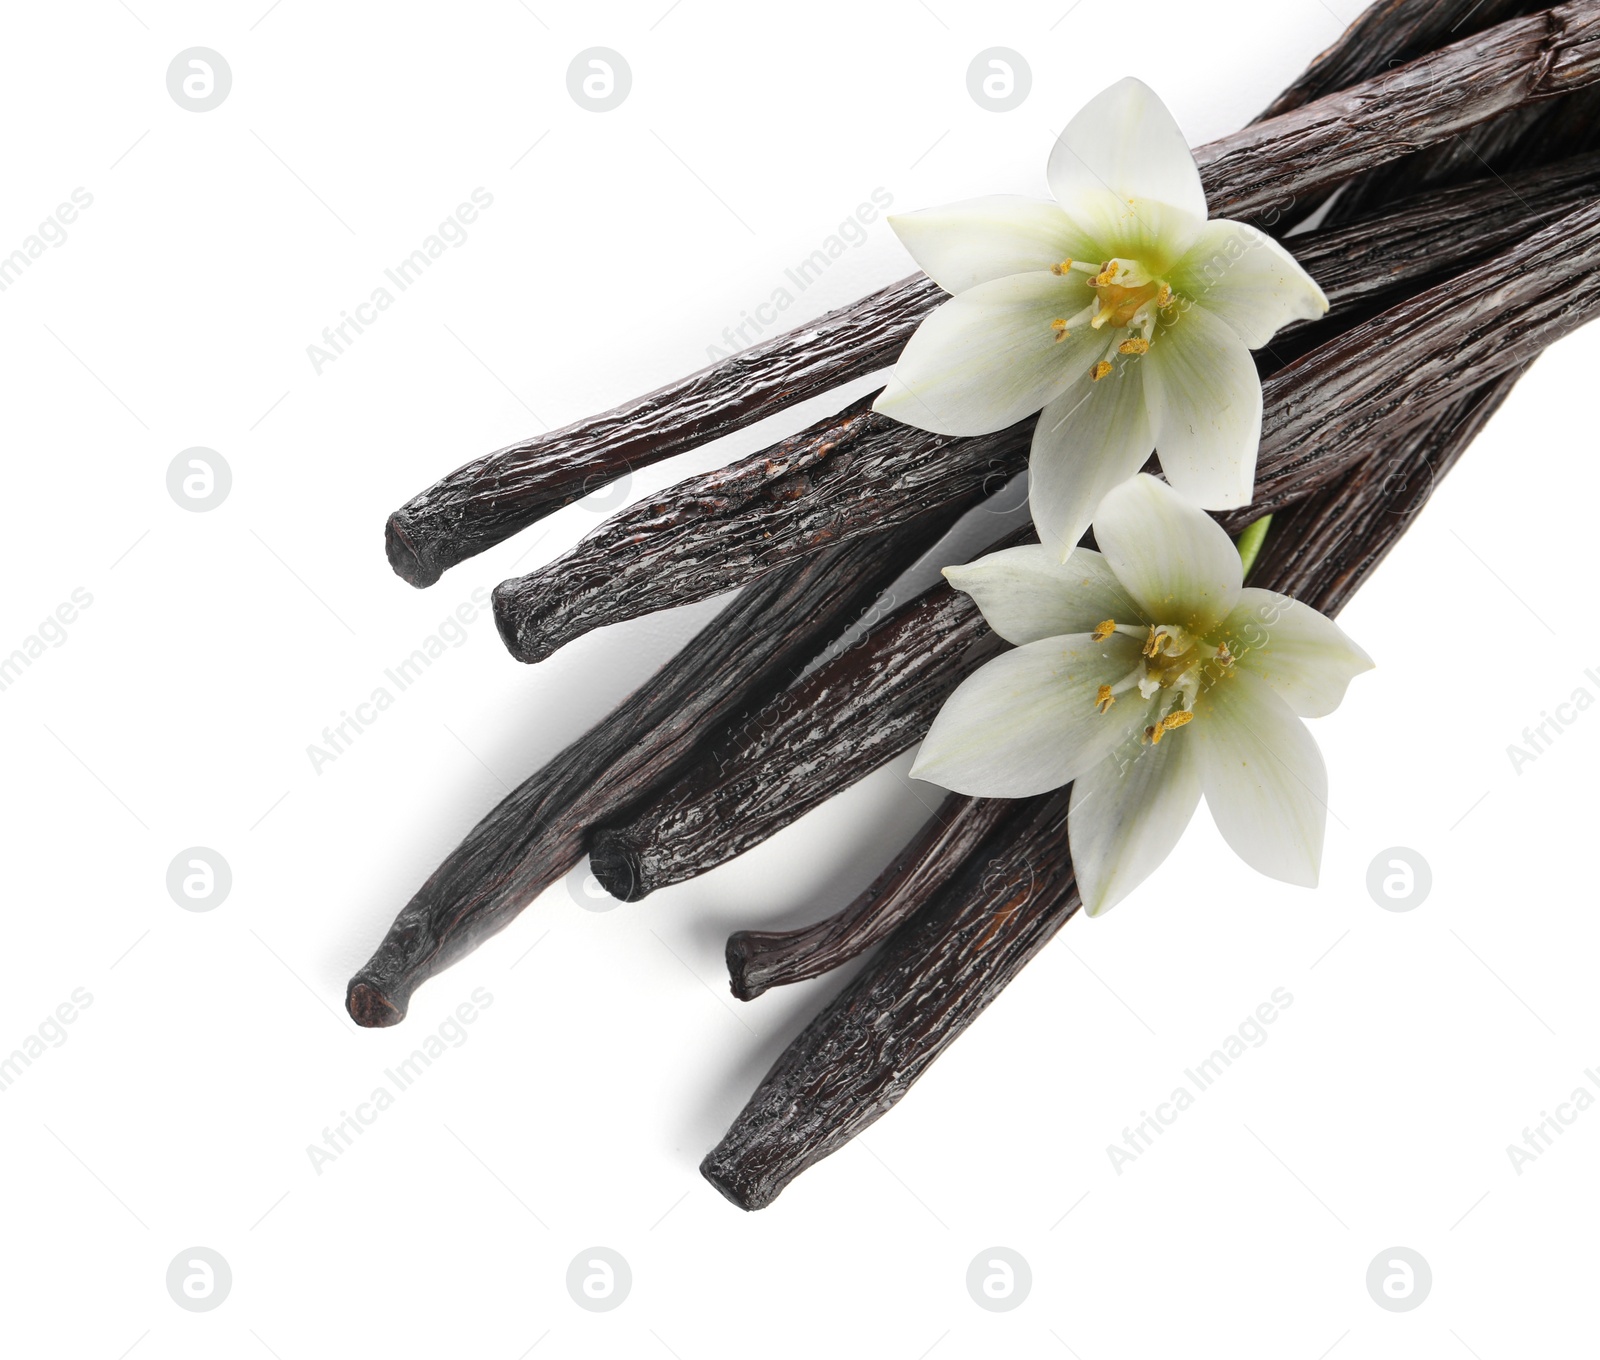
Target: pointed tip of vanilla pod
{"x":370,"y":1008}
{"x":746,"y":978}
{"x":617,"y":866}
{"x":518,"y":627}
{"x":735,"y":1184}
{"x":404,"y":555}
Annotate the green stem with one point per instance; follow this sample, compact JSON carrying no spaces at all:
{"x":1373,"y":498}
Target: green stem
{"x":1250,"y":542}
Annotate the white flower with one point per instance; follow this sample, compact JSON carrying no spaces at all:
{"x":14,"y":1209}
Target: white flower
{"x":1119,"y":311}
{"x":1146,"y":675}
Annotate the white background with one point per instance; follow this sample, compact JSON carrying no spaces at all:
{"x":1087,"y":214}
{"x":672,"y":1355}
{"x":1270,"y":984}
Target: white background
{"x":179,"y":709}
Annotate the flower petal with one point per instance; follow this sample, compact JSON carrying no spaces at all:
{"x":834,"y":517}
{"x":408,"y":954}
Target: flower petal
{"x":1173,"y":558}
{"x":1263,"y":777}
{"x":1127,"y":814}
{"x":1026,"y":594}
{"x":963,"y":244}
{"x":1124,"y":145}
{"x":1205,"y":400}
{"x":1094,"y":436}
{"x":1248,"y":280}
{"x":989,"y":357}
{"x":1026,"y":722}
{"x":1304,"y":656}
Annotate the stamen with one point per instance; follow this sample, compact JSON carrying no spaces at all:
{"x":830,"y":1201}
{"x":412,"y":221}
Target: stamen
{"x":1164,"y":296}
{"x":1178,"y":719}
{"x":1155,"y":642}
{"x":1104,"y":699}
{"x":1104,"y":629}
{"x":1152,"y":735}
{"x":1134,"y":346}
{"x":1224,"y":656}
{"x":1059,"y":326}
{"x":1100,"y":370}
{"x":1061,"y":268}
{"x":1107,"y":274}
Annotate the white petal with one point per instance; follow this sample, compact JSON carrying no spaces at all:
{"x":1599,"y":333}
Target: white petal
{"x":963,"y":244}
{"x":988,"y":357}
{"x":1248,"y":280}
{"x":1094,"y":436}
{"x":1026,"y":594}
{"x":1205,"y":400}
{"x":1303,"y":655}
{"x":1123,"y":170}
{"x":1263,"y":777}
{"x":1026,"y":722}
{"x":1173,"y":558}
{"x":1127,"y":814}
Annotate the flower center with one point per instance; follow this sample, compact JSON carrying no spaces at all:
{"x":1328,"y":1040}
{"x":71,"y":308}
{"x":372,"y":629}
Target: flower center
{"x":1174,"y":663}
{"x":1128,"y":302}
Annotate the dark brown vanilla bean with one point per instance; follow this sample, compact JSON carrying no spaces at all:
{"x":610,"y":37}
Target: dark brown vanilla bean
{"x":1517,"y":141}
{"x":942,"y":968}
{"x":1391,"y":33}
{"x":491,"y":498}
{"x":937,"y":974}
{"x":1436,"y":97}
{"x":1326,"y":411}
{"x":1323,"y":549}
{"x":751,"y":650}
{"x":858,"y":471}
{"x":1427,"y":237}
{"x":838,"y":724}
{"x":851,"y":474}
{"x":758,"y":959}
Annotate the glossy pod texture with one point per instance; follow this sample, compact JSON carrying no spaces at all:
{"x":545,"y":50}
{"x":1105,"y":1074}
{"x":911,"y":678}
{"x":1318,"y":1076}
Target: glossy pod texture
{"x":759,"y":959}
{"x":492,"y":497}
{"x":749,"y":652}
{"x":848,"y":717}
{"x":852,"y":474}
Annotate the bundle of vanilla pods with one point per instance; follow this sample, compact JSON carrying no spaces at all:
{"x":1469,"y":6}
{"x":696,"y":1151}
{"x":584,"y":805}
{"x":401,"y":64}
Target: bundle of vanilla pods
{"x":1437,"y":171}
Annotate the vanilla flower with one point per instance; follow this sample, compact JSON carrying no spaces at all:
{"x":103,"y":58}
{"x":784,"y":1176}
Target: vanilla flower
{"x":1118,"y":311}
{"x":1146,"y":675}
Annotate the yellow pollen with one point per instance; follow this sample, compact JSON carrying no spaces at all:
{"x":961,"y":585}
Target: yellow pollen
{"x":1061,"y":268}
{"x":1104,"y":699}
{"x":1104,"y":629}
{"x":1137,"y":345}
{"x":1224,"y":656}
{"x":1105,"y":276}
{"x":1153,"y":734}
{"x":1175,"y":720}
{"x":1155,"y":642}
{"x":1164,"y":297}
{"x":1100,"y":370}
